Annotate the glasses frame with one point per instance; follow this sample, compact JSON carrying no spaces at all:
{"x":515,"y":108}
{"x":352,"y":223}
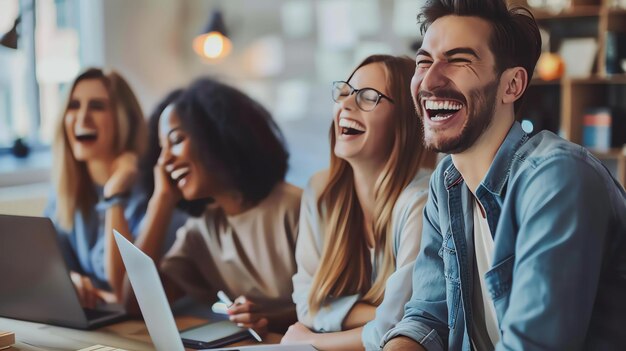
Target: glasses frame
{"x":353,"y":90}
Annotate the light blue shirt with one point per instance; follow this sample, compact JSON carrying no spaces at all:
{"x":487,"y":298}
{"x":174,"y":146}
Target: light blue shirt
{"x":558,"y":277}
{"x":405,"y":228}
{"x":83,"y":245}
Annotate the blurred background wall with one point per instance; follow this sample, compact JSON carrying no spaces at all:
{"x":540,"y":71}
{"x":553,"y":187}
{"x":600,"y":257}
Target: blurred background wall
{"x":285,"y":54}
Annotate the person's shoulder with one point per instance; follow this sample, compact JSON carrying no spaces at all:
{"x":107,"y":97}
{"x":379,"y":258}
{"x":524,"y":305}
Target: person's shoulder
{"x":418,"y":187}
{"x":414,"y":195}
{"x":208,"y":216}
{"x":318,"y":181}
{"x":546,"y":145}
{"x":289,"y":190}
{"x":285,"y":196}
{"x":420,"y":181}
{"x":316,"y":184}
{"x":546,"y":149}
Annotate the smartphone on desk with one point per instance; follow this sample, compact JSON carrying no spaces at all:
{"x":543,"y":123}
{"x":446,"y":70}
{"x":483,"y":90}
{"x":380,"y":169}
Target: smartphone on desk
{"x":215,"y":334}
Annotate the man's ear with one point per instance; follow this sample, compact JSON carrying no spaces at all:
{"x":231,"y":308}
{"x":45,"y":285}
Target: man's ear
{"x":514,"y":81}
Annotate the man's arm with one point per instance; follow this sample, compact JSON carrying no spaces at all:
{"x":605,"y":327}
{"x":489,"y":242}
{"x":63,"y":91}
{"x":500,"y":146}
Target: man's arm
{"x":403,"y":343}
{"x":563,"y":213}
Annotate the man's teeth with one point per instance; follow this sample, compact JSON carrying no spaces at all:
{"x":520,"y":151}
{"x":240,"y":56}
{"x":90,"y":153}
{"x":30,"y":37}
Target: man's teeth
{"x":442,"y":105}
{"x":178,"y":173}
{"x":346,"y":123}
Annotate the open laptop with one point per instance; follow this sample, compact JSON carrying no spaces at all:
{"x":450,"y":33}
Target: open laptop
{"x":35,"y":283}
{"x":145,"y":281}
{"x":144,"y":278}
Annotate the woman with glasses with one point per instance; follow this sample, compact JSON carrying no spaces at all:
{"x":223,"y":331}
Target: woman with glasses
{"x":360,"y":221}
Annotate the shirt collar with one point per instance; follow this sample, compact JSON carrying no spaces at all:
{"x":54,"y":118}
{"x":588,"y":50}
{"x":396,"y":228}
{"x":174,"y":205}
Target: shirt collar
{"x":498,"y":173}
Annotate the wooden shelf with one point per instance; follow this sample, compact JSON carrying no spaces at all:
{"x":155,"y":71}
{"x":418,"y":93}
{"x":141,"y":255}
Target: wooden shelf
{"x":570,"y":97}
{"x":539,"y":81}
{"x":612,"y":79}
{"x":618,"y":155}
{"x":616,"y":11}
{"x":569,"y":12}
{"x":612,"y":154}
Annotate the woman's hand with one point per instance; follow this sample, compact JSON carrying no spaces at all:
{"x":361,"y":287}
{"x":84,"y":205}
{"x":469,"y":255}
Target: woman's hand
{"x":124,"y":171}
{"x":298,"y":333}
{"x":88,"y":295}
{"x":246,"y":314}
{"x":164,"y":188}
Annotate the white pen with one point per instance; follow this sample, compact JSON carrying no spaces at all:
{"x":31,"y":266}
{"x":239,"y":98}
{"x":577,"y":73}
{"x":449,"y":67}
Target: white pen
{"x":225,"y":299}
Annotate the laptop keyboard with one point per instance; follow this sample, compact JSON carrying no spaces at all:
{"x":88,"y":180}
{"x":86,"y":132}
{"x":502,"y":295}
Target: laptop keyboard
{"x":95,"y":314}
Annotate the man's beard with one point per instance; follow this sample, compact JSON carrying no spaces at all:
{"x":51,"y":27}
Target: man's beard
{"x":479,"y":117}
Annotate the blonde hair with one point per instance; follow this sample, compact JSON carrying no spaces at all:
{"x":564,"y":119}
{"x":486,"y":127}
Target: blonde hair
{"x":346,"y":267}
{"x":74,"y":186}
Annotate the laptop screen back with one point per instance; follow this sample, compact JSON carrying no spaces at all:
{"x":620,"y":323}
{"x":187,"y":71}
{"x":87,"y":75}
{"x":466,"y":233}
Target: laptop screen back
{"x":34,"y":280}
{"x":150,"y":295}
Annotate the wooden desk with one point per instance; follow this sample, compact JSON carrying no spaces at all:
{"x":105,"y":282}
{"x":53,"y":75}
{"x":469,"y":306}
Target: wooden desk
{"x":130,"y":335}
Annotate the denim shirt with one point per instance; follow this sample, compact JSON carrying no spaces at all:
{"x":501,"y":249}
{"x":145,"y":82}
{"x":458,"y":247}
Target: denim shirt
{"x":558,"y":279}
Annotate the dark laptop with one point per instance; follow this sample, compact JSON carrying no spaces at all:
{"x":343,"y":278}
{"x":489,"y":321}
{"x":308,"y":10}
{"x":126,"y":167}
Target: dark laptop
{"x":35,"y":284}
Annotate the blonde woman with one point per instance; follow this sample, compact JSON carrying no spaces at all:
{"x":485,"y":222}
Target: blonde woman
{"x":96,"y":147}
{"x":360,"y":221}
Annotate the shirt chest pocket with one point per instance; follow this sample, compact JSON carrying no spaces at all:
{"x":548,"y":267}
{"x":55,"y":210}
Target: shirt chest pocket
{"x":450,"y":261}
{"x":498,"y":281}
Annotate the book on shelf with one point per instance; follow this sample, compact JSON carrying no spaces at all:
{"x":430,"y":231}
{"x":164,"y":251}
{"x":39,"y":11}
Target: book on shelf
{"x":597,"y":129}
{"x":7,"y":339}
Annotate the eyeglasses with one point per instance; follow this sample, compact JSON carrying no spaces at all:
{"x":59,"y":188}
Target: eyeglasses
{"x":366,"y":98}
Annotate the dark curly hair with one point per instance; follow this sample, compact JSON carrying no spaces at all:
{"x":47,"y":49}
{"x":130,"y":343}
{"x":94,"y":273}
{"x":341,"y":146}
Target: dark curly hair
{"x":151,"y":156}
{"x":235,"y":136}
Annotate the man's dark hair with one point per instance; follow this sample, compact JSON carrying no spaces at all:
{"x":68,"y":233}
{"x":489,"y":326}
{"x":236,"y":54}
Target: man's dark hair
{"x":515,"y":39}
{"x":234,"y":136}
